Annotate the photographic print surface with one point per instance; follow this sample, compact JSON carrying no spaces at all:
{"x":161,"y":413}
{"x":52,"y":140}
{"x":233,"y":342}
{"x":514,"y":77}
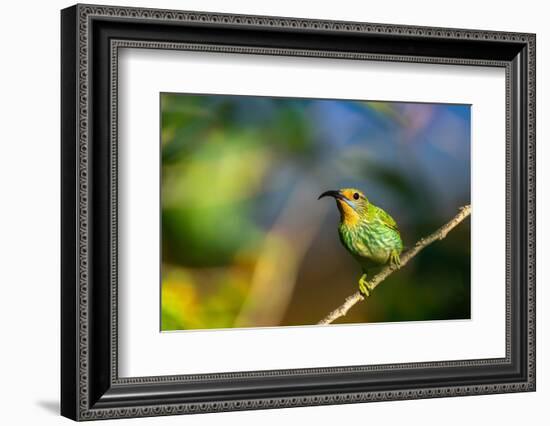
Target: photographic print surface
{"x":274,"y":210}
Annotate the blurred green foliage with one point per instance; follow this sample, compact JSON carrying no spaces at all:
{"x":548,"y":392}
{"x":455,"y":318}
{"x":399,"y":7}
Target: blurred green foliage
{"x":244,"y":241}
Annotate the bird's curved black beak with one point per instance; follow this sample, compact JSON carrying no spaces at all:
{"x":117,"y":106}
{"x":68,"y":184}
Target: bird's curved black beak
{"x":335,"y":194}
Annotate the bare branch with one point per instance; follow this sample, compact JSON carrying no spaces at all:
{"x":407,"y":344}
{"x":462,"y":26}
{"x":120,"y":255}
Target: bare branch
{"x":405,"y":258}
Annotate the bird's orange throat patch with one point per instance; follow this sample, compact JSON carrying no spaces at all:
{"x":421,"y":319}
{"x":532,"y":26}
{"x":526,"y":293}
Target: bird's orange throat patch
{"x":349,"y":216}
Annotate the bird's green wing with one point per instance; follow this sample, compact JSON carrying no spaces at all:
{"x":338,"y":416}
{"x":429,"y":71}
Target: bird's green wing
{"x":387,"y":220}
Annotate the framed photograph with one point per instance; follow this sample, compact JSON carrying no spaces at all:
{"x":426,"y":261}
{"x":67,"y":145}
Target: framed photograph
{"x":263,"y":212}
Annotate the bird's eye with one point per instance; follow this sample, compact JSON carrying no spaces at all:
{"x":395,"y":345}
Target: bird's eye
{"x":356,"y":196}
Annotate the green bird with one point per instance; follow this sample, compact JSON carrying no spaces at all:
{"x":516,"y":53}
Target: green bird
{"x":367,"y":232}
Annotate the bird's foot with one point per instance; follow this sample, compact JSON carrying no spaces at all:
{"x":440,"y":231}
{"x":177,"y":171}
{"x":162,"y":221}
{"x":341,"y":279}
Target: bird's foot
{"x":365,"y":287}
{"x":395,"y":259}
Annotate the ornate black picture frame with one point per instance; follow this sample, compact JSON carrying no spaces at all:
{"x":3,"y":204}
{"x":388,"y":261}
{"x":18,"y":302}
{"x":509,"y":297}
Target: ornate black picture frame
{"x":91,"y":36}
